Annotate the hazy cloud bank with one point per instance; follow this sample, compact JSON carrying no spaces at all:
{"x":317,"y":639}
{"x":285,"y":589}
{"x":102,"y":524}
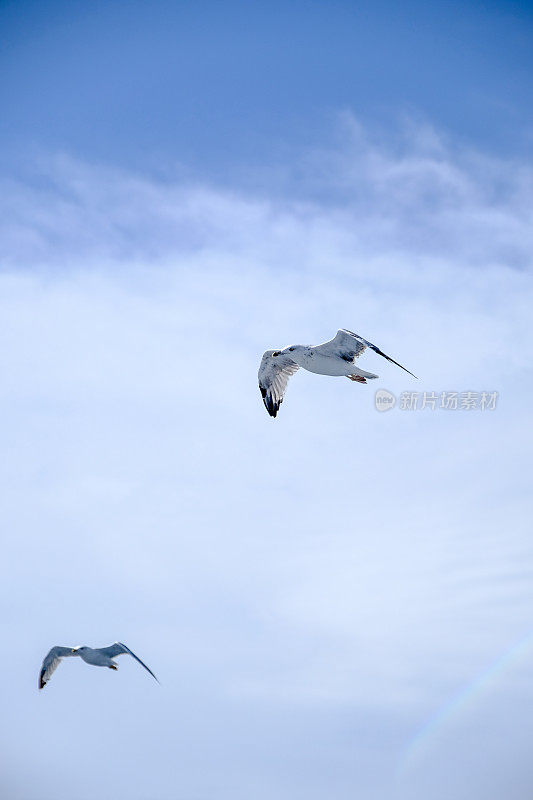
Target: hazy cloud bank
{"x":310,"y":590}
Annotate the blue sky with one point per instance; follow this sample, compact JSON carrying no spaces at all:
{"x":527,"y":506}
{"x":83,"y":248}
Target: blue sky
{"x":210,"y":83}
{"x":337,"y":602}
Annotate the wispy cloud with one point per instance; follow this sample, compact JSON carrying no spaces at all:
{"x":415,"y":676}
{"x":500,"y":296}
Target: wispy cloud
{"x":413,"y":193}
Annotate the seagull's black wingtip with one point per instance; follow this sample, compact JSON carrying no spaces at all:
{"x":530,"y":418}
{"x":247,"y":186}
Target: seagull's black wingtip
{"x":407,"y":370}
{"x":271,"y":406}
{"x":381,"y":353}
{"x":376,"y":349}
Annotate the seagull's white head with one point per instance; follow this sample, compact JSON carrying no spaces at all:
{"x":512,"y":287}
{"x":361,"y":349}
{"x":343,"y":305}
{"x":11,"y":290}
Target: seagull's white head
{"x":295,"y":351}
{"x":78,"y":648}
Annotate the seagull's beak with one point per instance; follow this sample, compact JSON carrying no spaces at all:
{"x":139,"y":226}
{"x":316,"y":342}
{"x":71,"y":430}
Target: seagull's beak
{"x":74,"y":649}
{"x":276,"y":353}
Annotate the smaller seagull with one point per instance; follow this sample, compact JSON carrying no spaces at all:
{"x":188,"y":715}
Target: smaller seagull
{"x":336,"y":357}
{"x":99,"y":657}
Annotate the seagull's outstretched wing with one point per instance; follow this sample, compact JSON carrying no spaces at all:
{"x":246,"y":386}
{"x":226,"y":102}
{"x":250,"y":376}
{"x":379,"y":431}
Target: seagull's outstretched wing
{"x":350,"y":345}
{"x":274,"y":374}
{"x":51,"y":663}
{"x":119,"y":649}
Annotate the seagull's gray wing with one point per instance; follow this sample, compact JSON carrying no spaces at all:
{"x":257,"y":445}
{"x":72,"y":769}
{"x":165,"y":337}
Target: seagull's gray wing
{"x":119,"y":649}
{"x":274,"y":374}
{"x":51,"y":663}
{"x":350,"y":345}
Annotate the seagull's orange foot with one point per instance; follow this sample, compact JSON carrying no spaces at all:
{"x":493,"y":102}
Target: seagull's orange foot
{"x":358,"y":378}
{"x":112,"y":666}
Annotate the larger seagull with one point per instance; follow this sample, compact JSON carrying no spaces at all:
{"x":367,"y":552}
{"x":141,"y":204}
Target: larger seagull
{"x":336,"y":357}
{"x":98,"y":657}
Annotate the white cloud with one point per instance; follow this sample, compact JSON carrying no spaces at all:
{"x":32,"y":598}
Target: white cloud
{"x":314,"y":585}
